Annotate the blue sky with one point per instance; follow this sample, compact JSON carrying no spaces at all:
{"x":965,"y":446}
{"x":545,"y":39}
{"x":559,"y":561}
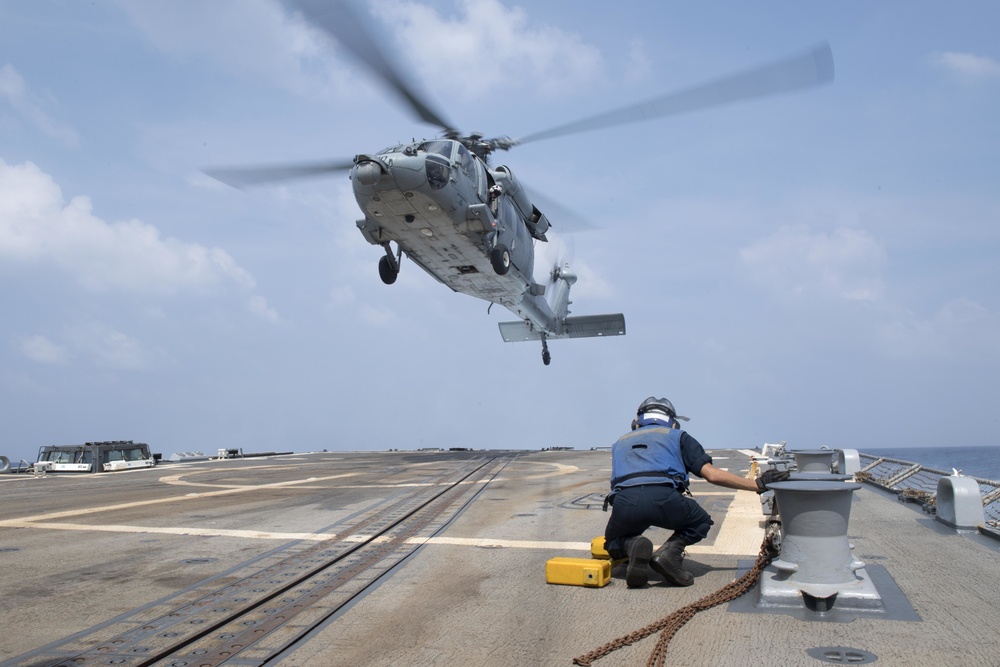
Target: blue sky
{"x":820,"y":267}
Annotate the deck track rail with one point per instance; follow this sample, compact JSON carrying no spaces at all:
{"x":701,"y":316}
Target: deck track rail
{"x":253,"y":620}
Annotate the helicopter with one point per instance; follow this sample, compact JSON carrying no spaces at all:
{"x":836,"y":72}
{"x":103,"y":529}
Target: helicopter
{"x":473,"y":226}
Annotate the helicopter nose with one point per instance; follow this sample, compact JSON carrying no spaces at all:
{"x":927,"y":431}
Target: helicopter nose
{"x":368,"y":173}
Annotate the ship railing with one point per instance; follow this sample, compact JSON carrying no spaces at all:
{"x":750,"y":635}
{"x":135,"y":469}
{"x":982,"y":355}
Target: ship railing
{"x":22,"y":466}
{"x":912,"y":482}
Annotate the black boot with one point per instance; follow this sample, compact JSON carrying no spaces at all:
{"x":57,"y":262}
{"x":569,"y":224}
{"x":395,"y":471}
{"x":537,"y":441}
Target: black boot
{"x":639,"y":550}
{"x":667,"y":560}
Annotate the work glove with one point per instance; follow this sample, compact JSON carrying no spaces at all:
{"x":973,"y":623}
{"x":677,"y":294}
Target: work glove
{"x":769,"y":477}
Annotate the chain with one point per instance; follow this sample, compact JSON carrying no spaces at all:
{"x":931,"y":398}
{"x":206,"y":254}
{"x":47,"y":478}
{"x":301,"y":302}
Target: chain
{"x":672,"y":623}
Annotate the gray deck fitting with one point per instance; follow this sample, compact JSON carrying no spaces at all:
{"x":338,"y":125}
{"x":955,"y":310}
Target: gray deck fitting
{"x":816,"y":570}
{"x":813,"y":460}
{"x":894,"y":604}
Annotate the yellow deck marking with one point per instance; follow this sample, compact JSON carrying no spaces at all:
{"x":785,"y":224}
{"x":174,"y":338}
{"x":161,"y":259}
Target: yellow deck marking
{"x":739,"y":533}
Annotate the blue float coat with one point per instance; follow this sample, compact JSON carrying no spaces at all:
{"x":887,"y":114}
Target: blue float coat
{"x":668,"y":456}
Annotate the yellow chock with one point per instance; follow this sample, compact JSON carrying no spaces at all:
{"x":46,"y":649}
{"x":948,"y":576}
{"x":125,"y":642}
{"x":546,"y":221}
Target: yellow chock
{"x":578,"y":572}
{"x":597,"y":549}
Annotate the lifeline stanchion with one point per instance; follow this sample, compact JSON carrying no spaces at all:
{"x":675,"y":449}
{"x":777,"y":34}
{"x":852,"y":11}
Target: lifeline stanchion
{"x":672,"y":623}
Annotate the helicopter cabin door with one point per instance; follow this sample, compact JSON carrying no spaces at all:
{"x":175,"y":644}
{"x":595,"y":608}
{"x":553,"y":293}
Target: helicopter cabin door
{"x":514,"y":234}
{"x":472,"y":170}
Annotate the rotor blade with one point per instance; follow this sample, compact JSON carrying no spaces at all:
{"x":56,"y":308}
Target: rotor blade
{"x":814,"y":67}
{"x":340,"y":21}
{"x":241,"y":177}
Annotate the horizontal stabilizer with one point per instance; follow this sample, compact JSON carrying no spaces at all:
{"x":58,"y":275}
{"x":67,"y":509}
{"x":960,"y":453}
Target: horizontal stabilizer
{"x":585,"y":326}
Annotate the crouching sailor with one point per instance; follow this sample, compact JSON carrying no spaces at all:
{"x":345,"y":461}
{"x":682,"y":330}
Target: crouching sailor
{"x":649,"y":475}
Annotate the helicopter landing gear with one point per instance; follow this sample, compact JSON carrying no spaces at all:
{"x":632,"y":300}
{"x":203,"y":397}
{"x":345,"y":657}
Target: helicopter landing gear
{"x":388,"y":266}
{"x":385,"y":271}
{"x":546,"y":357}
{"x":500,"y":258}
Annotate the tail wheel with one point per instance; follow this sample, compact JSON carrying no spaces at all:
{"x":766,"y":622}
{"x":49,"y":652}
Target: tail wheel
{"x":500,"y":258}
{"x":386,"y":272}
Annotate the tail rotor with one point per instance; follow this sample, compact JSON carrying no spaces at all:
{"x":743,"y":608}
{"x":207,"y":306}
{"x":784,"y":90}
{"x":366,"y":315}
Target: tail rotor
{"x":560,"y":278}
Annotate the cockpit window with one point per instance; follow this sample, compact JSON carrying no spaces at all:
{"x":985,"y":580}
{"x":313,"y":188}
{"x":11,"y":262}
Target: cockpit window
{"x":442,"y":148}
{"x":466,"y":162}
{"x":438,"y":172}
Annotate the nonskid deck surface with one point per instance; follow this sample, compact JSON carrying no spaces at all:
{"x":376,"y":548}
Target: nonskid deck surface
{"x":428,"y":558}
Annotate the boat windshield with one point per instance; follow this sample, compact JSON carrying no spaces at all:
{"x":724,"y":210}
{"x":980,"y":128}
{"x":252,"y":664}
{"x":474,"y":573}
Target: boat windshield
{"x":135,"y":454}
{"x":125,"y":454}
{"x":58,"y":456}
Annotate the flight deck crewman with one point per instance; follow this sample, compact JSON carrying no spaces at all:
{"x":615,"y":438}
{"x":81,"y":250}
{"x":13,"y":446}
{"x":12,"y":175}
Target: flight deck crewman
{"x":649,"y":475}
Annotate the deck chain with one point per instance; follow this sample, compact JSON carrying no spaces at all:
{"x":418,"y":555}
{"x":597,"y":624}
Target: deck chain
{"x":672,"y":623}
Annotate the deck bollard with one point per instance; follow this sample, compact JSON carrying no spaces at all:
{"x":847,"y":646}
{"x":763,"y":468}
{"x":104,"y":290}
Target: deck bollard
{"x":816,"y":559}
{"x":959,"y":503}
{"x":769,"y":505}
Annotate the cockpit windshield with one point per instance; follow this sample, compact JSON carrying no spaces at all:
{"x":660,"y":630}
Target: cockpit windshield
{"x":439,"y":147}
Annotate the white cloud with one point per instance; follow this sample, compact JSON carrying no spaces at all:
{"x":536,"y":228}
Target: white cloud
{"x":379,"y":316}
{"x":342,"y":295}
{"x":796,"y":262}
{"x":967,"y":66}
{"x":41,"y":349}
{"x":591,"y":284}
{"x":38,"y":227}
{"x":97,"y":344}
{"x":479,"y":49}
{"x":489,"y":47}
{"x":271,"y":45}
{"x":31,"y":106}
{"x":637,"y":64}
{"x":962,"y":329}
{"x":111,"y":349}
{"x":258,"y":306}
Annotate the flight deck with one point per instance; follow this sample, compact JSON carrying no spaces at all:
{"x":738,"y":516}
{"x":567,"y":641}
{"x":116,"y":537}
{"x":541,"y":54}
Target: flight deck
{"x":434,"y":558}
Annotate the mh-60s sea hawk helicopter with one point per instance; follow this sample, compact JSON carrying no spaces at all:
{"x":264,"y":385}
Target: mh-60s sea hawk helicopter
{"x":472,"y":226}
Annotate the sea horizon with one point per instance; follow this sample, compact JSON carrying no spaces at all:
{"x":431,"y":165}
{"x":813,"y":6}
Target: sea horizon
{"x":981,"y":461}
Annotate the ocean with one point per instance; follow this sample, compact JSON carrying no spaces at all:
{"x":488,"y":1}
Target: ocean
{"x":982,"y":462}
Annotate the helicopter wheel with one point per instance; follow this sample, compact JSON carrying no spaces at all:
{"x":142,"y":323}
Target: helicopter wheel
{"x":500,"y":258}
{"x":546,"y":357}
{"x":386,"y":272}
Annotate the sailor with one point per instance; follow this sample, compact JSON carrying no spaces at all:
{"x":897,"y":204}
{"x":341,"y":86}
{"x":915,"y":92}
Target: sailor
{"x":649,"y":478}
